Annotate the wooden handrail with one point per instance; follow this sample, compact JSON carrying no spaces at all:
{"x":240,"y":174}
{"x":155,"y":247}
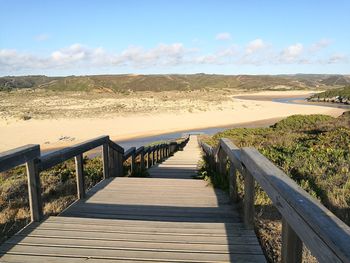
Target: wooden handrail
{"x":129,"y":153}
{"x":304,"y":219}
{"x":139,"y":150}
{"x":18,"y":156}
{"x":116,"y":147}
{"x":49,"y":160}
{"x":113,"y":157}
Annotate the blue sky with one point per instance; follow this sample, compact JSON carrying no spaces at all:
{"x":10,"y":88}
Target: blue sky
{"x":150,"y":37}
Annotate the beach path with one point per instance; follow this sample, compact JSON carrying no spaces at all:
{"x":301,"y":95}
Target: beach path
{"x":167,"y":217}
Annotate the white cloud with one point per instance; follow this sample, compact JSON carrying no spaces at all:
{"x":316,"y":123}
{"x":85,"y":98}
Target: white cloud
{"x":223,"y":36}
{"x":42,"y":37}
{"x":255,"y":45}
{"x":220,"y":57}
{"x":78,"y":56}
{"x":291,"y":53}
{"x":163,"y":54}
{"x":321,"y":44}
{"x":337,"y":58}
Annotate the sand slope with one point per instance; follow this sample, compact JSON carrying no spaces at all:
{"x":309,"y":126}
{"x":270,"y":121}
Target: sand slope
{"x":51,"y":133}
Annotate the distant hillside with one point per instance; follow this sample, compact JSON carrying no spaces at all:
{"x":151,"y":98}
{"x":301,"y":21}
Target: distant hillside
{"x":122,"y":83}
{"x":336,"y":80}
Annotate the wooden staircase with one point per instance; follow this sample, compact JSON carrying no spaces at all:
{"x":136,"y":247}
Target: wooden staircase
{"x":168,"y":217}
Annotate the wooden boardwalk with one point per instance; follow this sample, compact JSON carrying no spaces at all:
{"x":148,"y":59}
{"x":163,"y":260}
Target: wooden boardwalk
{"x":169,"y":217}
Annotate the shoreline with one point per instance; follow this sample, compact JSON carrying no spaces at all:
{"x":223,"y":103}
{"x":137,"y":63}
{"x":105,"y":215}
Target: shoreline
{"x":53,"y":134}
{"x":251,"y":124}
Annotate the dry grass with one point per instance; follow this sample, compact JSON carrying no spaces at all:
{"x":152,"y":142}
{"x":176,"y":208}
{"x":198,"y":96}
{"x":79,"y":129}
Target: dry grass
{"x":58,"y":191}
{"x":29,"y":104}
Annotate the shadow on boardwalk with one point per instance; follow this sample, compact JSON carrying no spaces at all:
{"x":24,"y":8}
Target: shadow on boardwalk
{"x":166,"y":218}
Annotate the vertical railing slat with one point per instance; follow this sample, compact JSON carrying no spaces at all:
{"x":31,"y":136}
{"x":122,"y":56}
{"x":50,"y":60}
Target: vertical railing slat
{"x":248,"y":202}
{"x":292,"y":246}
{"x":34,"y":190}
{"x":233,"y":189}
{"x":79,"y":168}
{"x":142,"y":160}
{"x":105,"y":160}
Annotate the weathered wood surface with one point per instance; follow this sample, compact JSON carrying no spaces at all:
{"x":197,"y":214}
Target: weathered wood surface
{"x":304,"y":219}
{"x":169,"y":217}
{"x":51,"y":159}
{"x":18,"y":156}
{"x":323,"y":233}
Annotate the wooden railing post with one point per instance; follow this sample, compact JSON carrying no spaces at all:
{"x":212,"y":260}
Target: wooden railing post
{"x":248,"y":202}
{"x":160,"y":153}
{"x":233,"y":189}
{"x":112,"y":165}
{"x":148,"y":158}
{"x":132,"y":165}
{"x":105,"y":160}
{"x":34,"y":190}
{"x":79,"y":168}
{"x":292,"y":246}
{"x":119,"y":164}
{"x":142,"y":160}
{"x":153,"y":156}
{"x":157,"y":155}
{"x":211,"y":158}
{"x":221,"y":161}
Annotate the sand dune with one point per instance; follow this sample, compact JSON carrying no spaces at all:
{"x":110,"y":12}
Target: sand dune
{"x":52,"y":133}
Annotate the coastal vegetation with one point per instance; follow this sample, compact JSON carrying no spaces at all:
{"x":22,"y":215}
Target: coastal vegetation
{"x":339,"y":95}
{"x":313,"y":150}
{"x":179,"y":82}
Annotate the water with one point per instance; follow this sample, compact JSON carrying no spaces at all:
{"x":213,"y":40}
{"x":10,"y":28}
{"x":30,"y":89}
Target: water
{"x":138,"y":142}
{"x":210,"y":131}
{"x":303,"y":101}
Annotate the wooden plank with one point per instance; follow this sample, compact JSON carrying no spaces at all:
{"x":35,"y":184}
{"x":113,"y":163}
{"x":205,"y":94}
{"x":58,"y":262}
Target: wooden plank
{"x":135,"y":223}
{"x":142,"y":237}
{"x":235,"y":229}
{"x":134,"y":245}
{"x":18,"y":156}
{"x":109,"y":253}
{"x":23,"y":258}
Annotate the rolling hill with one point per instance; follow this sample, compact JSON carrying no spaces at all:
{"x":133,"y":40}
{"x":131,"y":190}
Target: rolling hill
{"x":122,"y":83}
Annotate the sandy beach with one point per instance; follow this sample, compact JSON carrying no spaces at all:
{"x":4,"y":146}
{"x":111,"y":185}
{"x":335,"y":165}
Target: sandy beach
{"x":58,"y":132}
